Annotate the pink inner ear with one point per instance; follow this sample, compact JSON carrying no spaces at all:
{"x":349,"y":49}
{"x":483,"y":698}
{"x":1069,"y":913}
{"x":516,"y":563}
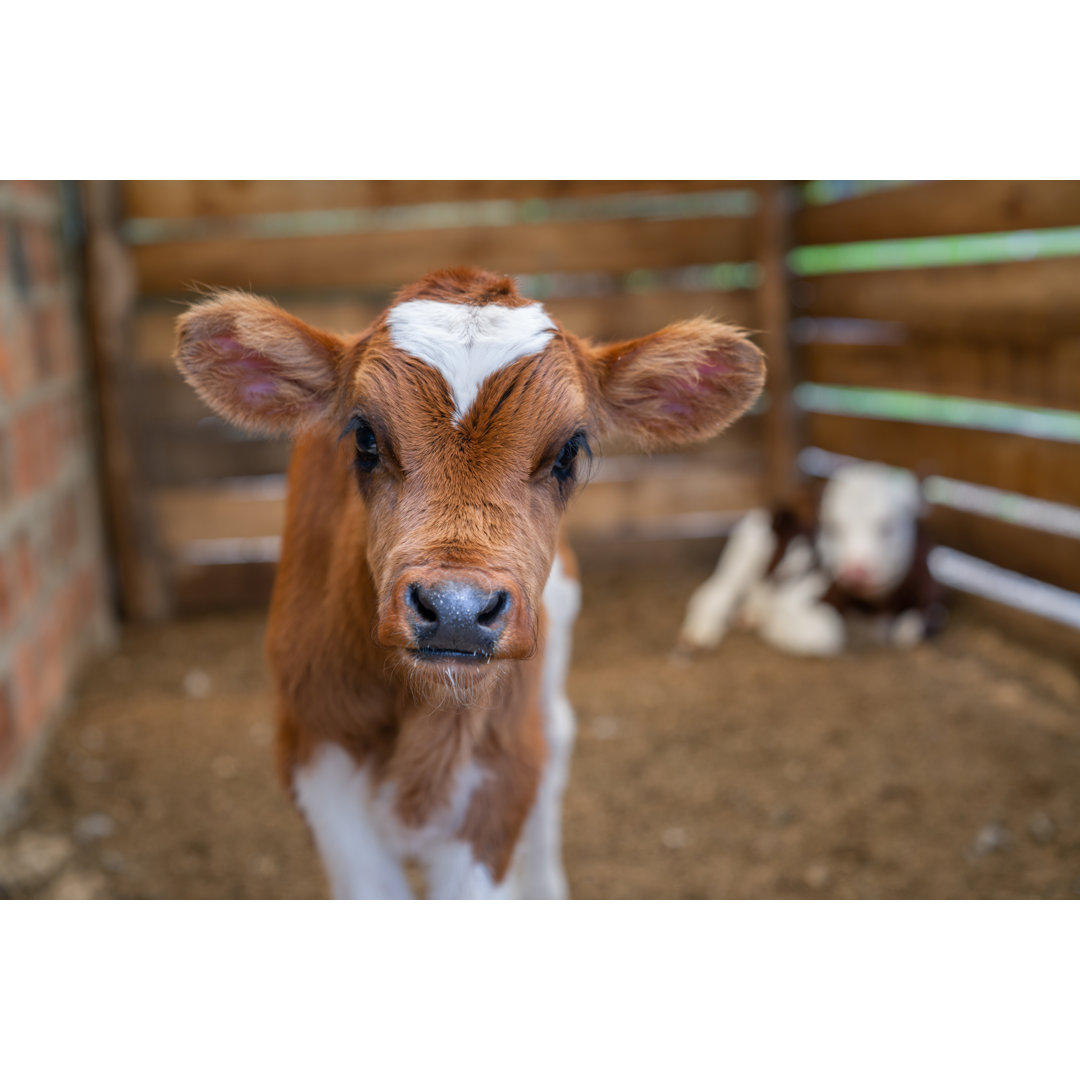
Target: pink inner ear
{"x":677,"y":396}
{"x":678,"y":408}
{"x":227,"y":344}
{"x":255,"y":374}
{"x":717,"y":362}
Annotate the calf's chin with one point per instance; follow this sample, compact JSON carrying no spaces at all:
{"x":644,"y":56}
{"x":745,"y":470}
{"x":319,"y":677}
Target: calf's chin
{"x":450,"y":684}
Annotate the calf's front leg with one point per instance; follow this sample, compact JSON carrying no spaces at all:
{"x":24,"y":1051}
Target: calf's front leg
{"x":337,"y":800}
{"x":741,"y":566}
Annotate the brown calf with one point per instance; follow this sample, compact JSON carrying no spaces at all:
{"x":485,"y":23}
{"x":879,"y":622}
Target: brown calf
{"x":419,"y":630}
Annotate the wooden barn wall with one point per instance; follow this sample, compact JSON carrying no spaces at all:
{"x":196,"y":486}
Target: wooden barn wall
{"x":201,"y":504}
{"x":990,"y":316}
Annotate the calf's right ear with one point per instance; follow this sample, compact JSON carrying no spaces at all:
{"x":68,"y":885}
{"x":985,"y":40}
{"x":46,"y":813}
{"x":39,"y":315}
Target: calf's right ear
{"x":256,"y":365}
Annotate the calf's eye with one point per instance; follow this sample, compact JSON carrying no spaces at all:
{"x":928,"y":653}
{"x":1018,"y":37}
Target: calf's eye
{"x":367,"y":447}
{"x":563,"y":470}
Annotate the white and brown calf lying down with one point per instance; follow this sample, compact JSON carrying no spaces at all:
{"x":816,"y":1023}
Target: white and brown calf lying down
{"x":795,"y":581}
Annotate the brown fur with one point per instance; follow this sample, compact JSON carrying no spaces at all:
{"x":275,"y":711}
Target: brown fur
{"x":477,"y":498}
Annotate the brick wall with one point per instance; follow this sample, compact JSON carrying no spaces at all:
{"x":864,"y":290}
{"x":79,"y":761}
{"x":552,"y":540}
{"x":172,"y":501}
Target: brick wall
{"x":53,"y":596}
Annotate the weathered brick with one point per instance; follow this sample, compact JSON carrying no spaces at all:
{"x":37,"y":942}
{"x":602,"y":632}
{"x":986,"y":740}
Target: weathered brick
{"x":28,"y":713}
{"x":19,"y":370}
{"x":52,"y":571}
{"x":27,"y":576}
{"x":16,"y":265}
{"x":54,"y":646}
{"x":89,"y":593}
{"x":9,"y":600}
{"x":64,"y":528}
{"x":5,"y":467}
{"x":40,"y":435}
{"x":25,"y":462}
{"x":35,"y":188}
{"x":41,"y":249}
{"x":7,"y":726}
{"x":71,"y":423}
{"x":47,"y":364}
{"x":56,"y":341}
{"x":6,"y":370}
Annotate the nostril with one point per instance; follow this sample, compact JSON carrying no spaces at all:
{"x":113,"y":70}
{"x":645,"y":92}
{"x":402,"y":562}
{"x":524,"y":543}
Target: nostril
{"x":416,"y":601}
{"x":499,"y":603}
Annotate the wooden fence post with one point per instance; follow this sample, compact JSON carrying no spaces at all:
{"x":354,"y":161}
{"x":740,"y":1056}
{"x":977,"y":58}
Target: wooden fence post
{"x":773,"y":243}
{"x":110,"y":302}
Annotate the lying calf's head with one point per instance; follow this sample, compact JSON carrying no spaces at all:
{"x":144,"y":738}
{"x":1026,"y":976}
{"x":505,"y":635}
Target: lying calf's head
{"x":868,"y":522}
{"x":464,"y":412}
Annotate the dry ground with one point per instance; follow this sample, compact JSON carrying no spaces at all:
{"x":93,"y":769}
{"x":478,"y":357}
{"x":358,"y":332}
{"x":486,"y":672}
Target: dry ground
{"x":949,"y":771}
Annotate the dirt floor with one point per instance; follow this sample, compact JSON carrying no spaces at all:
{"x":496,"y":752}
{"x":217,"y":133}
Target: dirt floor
{"x":949,"y":771}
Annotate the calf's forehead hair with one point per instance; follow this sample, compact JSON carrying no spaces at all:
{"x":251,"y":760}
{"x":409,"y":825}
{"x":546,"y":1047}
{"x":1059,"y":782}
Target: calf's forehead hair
{"x":869,"y":489}
{"x":468,"y":343}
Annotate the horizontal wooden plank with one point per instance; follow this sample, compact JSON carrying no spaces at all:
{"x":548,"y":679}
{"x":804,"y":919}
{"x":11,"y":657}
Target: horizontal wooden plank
{"x":181,"y":457}
{"x":201,"y":590}
{"x":228,"y":198}
{"x":942,"y":208}
{"x":187,"y":515}
{"x":389,"y":258}
{"x":155,"y":334}
{"x":1046,"y":375}
{"x":1045,"y":556}
{"x":178,"y":440}
{"x":1037,"y":467}
{"x":628,"y":315}
{"x":1016,"y":300}
{"x":164,"y":399}
{"x":666,"y":488}
{"x":731,"y":448}
{"x":603,"y":318}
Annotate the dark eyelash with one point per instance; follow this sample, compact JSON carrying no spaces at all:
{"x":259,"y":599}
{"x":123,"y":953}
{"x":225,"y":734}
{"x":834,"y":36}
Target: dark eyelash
{"x":564,"y":470}
{"x":367,"y":445}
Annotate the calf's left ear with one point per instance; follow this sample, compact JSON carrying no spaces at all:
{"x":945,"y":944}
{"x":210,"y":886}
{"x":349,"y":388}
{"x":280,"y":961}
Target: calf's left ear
{"x":257,"y":365}
{"x":682,"y":384}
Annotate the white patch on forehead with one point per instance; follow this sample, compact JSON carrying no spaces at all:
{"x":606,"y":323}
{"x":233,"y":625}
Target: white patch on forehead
{"x":868,"y":491}
{"x":467,"y":343}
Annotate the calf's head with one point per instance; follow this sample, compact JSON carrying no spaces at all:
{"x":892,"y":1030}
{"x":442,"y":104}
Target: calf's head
{"x":869,"y":516}
{"x":465,"y":413}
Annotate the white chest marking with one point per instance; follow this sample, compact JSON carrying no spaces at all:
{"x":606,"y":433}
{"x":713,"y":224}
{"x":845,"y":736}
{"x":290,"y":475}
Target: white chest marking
{"x":465,"y":343}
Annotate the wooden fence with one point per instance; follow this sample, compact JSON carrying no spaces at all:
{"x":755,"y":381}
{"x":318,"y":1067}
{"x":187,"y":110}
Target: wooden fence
{"x":934,"y":326}
{"x":196,"y":506}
